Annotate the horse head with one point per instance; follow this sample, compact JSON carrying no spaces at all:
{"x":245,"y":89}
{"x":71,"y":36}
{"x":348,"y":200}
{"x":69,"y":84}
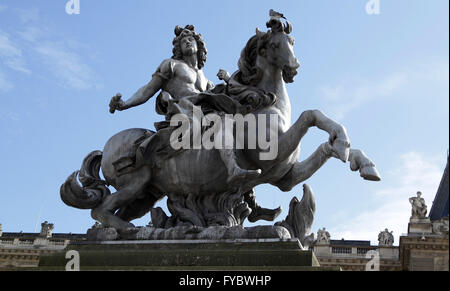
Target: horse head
{"x":272,"y":50}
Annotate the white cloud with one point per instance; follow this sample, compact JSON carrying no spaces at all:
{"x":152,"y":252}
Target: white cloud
{"x":391,"y":207}
{"x":28,"y":15}
{"x":66,"y":65}
{"x":31,"y":33}
{"x":11,"y":54}
{"x":350,"y":94}
{"x":5,"y":85}
{"x":61,"y":56}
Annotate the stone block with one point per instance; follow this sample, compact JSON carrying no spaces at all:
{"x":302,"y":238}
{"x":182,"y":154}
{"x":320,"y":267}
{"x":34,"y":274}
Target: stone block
{"x":420,"y":226}
{"x":246,"y":254}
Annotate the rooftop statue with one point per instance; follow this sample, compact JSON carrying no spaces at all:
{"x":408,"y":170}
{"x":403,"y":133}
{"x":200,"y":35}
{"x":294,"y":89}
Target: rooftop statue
{"x":213,"y":186}
{"x":46,"y":229}
{"x":386,"y":238}
{"x":323,"y":236}
{"x":418,"y":206}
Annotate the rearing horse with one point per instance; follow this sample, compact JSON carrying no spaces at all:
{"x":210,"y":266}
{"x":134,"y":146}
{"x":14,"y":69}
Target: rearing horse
{"x":193,"y":178}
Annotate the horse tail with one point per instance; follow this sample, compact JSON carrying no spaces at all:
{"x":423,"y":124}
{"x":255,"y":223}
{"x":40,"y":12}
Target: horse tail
{"x":93,"y":189}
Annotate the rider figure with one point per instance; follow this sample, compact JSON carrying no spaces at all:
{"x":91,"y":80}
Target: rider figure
{"x":179,"y":77}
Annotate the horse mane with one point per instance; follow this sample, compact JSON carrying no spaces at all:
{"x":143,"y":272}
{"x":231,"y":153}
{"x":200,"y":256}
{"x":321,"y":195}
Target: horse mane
{"x":249,"y":73}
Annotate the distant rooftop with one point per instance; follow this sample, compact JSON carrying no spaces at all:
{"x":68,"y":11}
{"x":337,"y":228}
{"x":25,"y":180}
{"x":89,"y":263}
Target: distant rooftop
{"x":439,"y":208}
{"x":343,"y":242}
{"x":23,"y":235}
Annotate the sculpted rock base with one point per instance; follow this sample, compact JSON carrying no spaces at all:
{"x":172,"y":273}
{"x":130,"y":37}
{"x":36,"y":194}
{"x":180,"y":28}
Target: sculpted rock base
{"x":190,"y":233}
{"x":102,"y":234}
{"x":297,"y":224}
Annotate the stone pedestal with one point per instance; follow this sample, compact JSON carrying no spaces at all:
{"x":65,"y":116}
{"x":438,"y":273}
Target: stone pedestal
{"x":208,"y":255}
{"x":322,"y":250}
{"x":388,"y":252}
{"x":420,"y":226}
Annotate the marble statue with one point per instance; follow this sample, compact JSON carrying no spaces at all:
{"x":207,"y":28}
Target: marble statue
{"x":323,"y":236}
{"x":386,"y":238}
{"x":419,"y":208}
{"x":212,"y":188}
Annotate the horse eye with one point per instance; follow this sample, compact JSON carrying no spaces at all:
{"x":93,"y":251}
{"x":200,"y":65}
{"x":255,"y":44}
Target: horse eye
{"x":273,"y":45}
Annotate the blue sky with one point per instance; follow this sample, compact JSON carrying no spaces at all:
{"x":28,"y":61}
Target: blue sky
{"x":384,"y":77}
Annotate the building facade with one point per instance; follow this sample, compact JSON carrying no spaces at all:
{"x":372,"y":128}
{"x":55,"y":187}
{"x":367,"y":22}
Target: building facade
{"x":354,"y":255}
{"x":22,"y":250}
{"x":423,"y":248}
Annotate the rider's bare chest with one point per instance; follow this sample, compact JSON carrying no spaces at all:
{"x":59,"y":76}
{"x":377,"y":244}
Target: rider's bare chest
{"x":190,"y":77}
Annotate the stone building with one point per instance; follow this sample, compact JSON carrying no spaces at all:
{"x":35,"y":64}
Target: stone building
{"x":423,"y":248}
{"x":355,"y":255}
{"x":18,"y":249}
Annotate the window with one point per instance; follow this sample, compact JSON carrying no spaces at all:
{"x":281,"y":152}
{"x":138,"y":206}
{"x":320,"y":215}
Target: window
{"x":361,"y":251}
{"x":341,"y":250}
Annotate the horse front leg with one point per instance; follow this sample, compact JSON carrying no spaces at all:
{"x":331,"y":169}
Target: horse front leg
{"x":339,"y":141}
{"x":367,"y":169}
{"x":303,"y":170}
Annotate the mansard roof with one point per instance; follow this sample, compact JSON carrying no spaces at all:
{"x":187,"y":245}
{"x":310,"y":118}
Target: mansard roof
{"x":439,"y":209}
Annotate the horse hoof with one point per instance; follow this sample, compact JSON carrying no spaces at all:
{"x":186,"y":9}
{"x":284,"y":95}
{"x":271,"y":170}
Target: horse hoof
{"x":370,"y":173}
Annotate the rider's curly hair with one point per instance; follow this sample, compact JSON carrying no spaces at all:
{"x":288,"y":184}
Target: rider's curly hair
{"x":189,"y":30}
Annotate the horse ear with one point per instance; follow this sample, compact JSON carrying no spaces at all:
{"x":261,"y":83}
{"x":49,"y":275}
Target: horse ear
{"x":288,"y":27}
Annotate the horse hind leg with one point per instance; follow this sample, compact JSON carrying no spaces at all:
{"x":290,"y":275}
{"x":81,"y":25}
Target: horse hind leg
{"x":133,"y":185}
{"x":141,"y":206}
{"x":104,"y":213}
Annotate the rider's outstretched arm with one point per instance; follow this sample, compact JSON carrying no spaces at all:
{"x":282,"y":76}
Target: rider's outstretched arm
{"x":145,"y":93}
